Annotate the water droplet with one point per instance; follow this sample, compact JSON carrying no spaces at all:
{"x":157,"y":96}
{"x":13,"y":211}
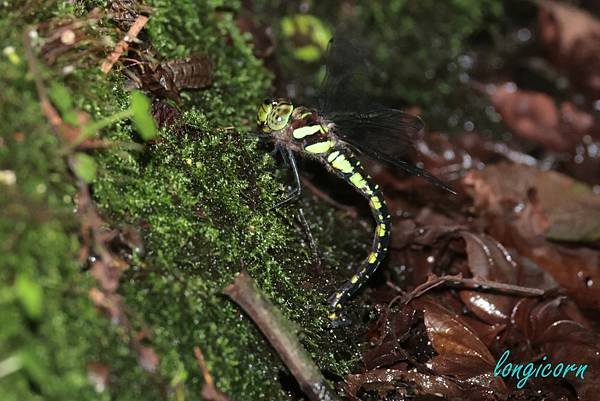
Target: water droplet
{"x":430,"y":259}
{"x":510,"y":87}
{"x":465,"y":61}
{"x":519,"y":207}
{"x":524,"y":34}
{"x":453,"y":120}
{"x":490,"y":89}
{"x":68,"y":69}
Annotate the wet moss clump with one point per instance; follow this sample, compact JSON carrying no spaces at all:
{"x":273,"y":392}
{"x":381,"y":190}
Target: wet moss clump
{"x":200,"y":195}
{"x":49,"y":330}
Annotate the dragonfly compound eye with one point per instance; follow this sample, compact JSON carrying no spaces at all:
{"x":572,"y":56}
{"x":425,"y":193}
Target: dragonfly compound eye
{"x":262,"y":115}
{"x":277,"y":118}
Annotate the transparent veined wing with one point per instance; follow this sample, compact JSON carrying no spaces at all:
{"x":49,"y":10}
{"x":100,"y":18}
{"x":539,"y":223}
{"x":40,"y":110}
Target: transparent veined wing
{"x":379,"y":132}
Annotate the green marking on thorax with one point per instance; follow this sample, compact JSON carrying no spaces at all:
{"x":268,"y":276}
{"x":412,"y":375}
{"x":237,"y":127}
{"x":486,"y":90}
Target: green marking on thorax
{"x":308,"y":130}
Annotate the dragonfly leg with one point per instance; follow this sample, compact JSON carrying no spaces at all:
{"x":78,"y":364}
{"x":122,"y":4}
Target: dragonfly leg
{"x":289,"y":157}
{"x":311,"y":241}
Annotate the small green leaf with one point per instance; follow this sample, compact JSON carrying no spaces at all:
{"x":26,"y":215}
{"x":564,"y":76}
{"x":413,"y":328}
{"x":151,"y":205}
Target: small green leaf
{"x":142,"y":117}
{"x":85,"y":167}
{"x":61,"y":98}
{"x":30,"y":295}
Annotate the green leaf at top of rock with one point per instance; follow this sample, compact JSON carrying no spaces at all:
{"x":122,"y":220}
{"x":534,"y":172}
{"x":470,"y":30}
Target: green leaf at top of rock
{"x":142,"y":117}
{"x":30,"y":295}
{"x":311,"y":32}
{"x":85,"y":167}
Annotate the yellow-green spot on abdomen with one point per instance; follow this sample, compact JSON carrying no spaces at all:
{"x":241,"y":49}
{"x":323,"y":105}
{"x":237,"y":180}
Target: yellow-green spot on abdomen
{"x":358,"y":180}
{"x":302,"y":132}
{"x":342,"y":164}
{"x":381,"y":229}
{"x":375,"y":202}
{"x":319,"y":147}
{"x":372,"y":257}
{"x":333,"y":155}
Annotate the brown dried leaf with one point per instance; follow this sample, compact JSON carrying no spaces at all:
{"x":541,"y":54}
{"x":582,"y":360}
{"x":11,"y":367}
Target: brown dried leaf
{"x":568,"y":341}
{"x":517,"y":210}
{"x":567,"y":209}
{"x":572,"y":36}
{"x":558,"y":328}
{"x":401,"y":382}
{"x":487,"y":333}
{"x":535,"y":116}
{"x":148,"y":359}
{"x":489,"y":260}
{"x":460,"y":352}
{"x":98,"y":374}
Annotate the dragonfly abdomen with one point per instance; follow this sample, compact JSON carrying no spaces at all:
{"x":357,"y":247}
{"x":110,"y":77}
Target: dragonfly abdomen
{"x":316,"y":140}
{"x":345,"y":165}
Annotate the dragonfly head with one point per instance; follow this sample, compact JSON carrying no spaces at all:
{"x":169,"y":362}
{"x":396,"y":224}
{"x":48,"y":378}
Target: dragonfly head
{"x":274,"y":114}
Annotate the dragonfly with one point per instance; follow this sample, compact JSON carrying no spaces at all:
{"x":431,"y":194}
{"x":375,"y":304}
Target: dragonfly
{"x":345,"y":124}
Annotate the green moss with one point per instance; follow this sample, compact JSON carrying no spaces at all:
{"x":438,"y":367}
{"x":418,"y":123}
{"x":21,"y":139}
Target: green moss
{"x":201,"y":196}
{"x":48,"y":326}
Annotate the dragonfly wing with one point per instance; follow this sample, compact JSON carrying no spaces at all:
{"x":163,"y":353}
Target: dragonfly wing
{"x":346,"y":78}
{"x":386,"y":135}
{"x":379,"y":132}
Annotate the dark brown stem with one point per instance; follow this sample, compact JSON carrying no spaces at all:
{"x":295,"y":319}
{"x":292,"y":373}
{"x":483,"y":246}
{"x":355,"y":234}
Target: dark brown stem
{"x":467,"y":283}
{"x":123,"y":45}
{"x":49,"y":111}
{"x":281,"y":336}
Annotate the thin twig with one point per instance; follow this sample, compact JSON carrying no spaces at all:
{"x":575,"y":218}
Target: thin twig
{"x":47,"y":108}
{"x":434,"y":281}
{"x":276,"y":329}
{"x":123,"y":45}
{"x":209,"y":390}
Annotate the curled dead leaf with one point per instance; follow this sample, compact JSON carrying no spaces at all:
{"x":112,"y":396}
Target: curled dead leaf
{"x":460,"y":352}
{"x":572,"y":37}
{"x":535,"y":116}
